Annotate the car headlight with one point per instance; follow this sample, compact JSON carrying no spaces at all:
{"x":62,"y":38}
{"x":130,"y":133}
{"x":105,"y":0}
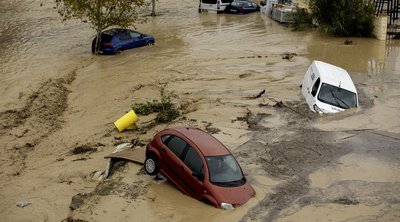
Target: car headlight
{"x":227,"y":206}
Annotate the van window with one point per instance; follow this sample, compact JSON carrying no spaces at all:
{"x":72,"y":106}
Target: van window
{"x":315,"y":88}
{"x":209,"y":1}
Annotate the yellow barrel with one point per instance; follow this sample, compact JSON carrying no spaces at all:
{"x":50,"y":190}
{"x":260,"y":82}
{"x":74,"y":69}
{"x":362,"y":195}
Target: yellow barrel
{"x":127,"y":121}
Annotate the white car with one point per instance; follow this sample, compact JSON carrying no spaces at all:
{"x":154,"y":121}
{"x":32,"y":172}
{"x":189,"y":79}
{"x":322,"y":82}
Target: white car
{"x":328,"y":88}
{"x":213,"y":6}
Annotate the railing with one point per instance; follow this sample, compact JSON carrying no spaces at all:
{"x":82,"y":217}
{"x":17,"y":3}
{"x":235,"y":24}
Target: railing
{"x":389,"y":7}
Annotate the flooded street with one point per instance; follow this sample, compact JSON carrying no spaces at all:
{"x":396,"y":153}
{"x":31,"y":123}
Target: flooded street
{"x":56,"y":95}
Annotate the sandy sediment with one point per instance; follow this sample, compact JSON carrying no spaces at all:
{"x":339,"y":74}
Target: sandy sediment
{"x":55,"y":138}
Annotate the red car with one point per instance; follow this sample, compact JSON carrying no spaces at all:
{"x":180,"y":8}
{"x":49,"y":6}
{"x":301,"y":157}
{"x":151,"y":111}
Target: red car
{"x":199,"y":165}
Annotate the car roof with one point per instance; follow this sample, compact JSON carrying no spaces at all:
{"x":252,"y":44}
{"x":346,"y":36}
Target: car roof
{"x":334,"y":75}
{"x":114,"y":31}
{"x":206,"y":143}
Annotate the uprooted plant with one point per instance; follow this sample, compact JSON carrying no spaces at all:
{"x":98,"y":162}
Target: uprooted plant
{"x":167,"y":111}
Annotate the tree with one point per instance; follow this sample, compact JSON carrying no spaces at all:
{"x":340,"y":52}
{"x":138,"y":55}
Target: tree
{"x":344,"y":17}
{"x":153,"y":7}
{"x":101,"y":14}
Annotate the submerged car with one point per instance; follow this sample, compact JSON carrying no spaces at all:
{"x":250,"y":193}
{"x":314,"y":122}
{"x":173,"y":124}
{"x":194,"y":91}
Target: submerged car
{"x":213,"y":6}
{"x":199,"y":165}
{"x":116,"y":40}
{"x":242,"y":7}
{"x":328,"y":88}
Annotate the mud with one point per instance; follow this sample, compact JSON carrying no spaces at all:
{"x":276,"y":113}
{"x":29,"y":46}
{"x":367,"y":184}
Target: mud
{"x":237,"y":77}
{"x":22,"y":129}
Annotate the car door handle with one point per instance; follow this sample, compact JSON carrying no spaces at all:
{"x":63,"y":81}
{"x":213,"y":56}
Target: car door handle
{"x":164,"y":150}
{"x":181,"y":167}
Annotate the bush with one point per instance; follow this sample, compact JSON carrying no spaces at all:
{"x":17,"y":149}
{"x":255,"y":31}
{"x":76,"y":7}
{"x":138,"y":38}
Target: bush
{"x":301,"y":19}
{"x":165,"y":108}
{"x":344,"y":17}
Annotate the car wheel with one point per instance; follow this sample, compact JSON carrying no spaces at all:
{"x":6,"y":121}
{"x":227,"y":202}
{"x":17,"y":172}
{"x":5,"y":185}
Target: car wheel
{"x":150,"y":43}
{"x":151,"y":165}
{"x":118,"y":51}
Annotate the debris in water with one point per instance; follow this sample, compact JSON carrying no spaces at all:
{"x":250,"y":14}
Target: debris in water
{"x":78,"y":200}
{"x":279,"y":104}
{"x":211,"y":130}
{"x":288,"y":55}
{"x":348,"y":42}
{"x":23,"y":203}
{"x":83,"y":149}
{"x":346,"y":201}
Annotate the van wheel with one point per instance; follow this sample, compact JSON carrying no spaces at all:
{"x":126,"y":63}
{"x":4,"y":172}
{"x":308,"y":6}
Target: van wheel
{"x":151,"y":165}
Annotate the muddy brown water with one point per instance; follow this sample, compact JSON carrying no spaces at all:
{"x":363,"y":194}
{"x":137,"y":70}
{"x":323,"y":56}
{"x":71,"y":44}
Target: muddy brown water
{"x":56,"y":96}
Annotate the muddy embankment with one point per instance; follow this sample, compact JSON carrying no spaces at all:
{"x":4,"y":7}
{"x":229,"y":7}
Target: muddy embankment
{"x":22,"y":129}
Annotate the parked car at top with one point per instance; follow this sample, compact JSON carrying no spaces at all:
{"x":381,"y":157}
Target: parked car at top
{"x":199,"y":165}
{"x":328,"y":88}
{"x":116,"y":40}
{"x":242,"y":7}
{"x":213,"y":6}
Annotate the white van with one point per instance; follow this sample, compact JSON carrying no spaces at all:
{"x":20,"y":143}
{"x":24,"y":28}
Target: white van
{"x":328,"y":88}
{"x":213,"y":6}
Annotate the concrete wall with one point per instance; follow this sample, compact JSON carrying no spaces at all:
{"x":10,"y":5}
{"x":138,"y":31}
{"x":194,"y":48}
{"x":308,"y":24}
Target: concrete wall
{"x":380,"y":27}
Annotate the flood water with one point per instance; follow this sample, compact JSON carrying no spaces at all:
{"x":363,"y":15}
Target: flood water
{"x":211,"y":62}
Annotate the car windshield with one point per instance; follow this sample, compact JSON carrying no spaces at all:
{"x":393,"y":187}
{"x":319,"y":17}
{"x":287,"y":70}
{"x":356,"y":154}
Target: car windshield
{"x":337,"y":96}
{"x":225,"y":171}
{"x":246,"y":4}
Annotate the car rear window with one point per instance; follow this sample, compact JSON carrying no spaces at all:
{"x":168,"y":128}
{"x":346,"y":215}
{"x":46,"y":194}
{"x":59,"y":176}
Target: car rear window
{"x":177,"y":145}
{"x":210,"y":1}
{"x":106,"y":38}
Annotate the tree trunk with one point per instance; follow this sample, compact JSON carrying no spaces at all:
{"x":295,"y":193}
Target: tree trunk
{"x":153,"y":7}
{"x":97,"y":42}
{"x":99,"y":28}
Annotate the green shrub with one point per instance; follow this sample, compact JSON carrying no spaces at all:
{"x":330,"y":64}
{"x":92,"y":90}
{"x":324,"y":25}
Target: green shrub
{"x":344,"y":17}
{"x":301,"y":19}
{"x":165,"y":108}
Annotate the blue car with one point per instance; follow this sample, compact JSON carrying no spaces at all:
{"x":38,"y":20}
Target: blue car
{"x":113,"y":41}
{"x":242,"y":7}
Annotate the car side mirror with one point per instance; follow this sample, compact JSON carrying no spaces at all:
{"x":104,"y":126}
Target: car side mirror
{"x":141,"y":36}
